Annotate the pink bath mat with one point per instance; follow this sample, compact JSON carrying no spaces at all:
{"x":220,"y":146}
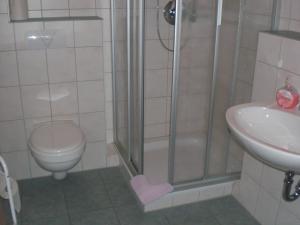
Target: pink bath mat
{"x":147,"y":192}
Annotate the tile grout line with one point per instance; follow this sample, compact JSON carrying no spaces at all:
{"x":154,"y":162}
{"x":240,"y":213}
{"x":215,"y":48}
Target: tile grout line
{"x":21,"y":100}
{"x":77,"y":89}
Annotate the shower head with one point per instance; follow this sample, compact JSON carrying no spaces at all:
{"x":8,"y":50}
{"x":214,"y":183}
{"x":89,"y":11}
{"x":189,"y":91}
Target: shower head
{"x":170,"y":12}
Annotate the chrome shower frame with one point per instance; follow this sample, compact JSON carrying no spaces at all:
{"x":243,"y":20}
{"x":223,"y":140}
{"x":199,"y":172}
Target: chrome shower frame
{"x":176,"y":59}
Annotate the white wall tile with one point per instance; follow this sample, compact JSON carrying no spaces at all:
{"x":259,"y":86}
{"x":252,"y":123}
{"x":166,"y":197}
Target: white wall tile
{"x":156,"y":83}
{"x":249,"y":191}
{"x":10,"y":101}
{"x":91,"y":96}
{"x":17,"y":163}
{"x":295,"y":8}
{"x":24,"y":32}
{"x":294,"y":25}
{"x":107,"y":57}
{"x":8,"y":72}
{"x":285,"y":9}
{"x":34,"y":14}
{"x":155,"y":56}
{"x":269,"y":47}
{"x":3,"y":6}
{"x":55,"y":4}
{"x":254,"y":23}
{"x":12,"y":136}
{"x":109,"y":115}
{"x":155,"y":130}
{"x":34,"y":4}
{"x":252,"y":167}
{"x":62,"y":34}
{"x":290,"y":54}
{"x":88,"y":33}
{"x":32,"y":67}
{"x":36,"y":101}
{"x":64,"y":98}
{"x":105,"y":14}
{"x":89,"y":62}
{"x":83,"y":12}
{"x":56,"y":13}
{"x":272,"y":180}
{"x":7,"y":39}
{"x":94,"y":156}
{"x":266,"y":209}
{"x":103,"y":4}
{"x":61,"y":65}
{"x":93,"y":125}
{"x":82,"y":4}
{"x":264,"y":85}
{"x":284,"y":24}
{"x":108,"y":87}
{"x":155,"y":110}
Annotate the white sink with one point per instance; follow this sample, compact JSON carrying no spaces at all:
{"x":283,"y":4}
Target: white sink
{"x":268,"y":133}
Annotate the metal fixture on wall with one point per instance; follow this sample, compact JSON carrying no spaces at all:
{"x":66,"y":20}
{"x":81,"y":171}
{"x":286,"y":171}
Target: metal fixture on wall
{"x":287,"y":186}
{"x":158,"y":27}
{"x":170,"y":12}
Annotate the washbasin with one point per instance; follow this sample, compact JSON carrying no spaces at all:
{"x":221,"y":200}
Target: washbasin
{"x":268,"y":133}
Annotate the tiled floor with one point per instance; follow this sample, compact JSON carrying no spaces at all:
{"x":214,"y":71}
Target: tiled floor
{"x":101,"y":197}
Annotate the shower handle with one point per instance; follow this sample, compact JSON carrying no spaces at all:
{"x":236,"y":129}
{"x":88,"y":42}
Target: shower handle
{"x":170,"y":12}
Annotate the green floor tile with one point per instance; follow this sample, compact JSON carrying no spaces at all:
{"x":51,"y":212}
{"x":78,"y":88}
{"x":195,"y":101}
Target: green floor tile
{"x":100,"y":217}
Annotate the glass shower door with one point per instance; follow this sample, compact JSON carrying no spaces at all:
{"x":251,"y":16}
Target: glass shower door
{"x":127,"y":20}
{"x":192,"y":78}
{"x":120,"y":52}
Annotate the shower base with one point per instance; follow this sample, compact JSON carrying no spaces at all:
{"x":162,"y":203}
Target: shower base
{"x":158,"y":152}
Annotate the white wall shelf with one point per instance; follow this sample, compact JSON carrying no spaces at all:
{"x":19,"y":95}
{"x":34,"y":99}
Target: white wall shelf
{"x":49,"y":19}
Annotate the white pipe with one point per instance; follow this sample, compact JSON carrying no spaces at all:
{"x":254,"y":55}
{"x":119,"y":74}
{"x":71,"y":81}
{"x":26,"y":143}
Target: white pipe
{"x":9,"y":190}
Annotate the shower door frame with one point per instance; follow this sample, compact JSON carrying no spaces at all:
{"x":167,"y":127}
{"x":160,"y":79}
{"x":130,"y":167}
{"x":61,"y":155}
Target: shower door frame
{"x":134,"y":167}
{"x":138,"y":168}
{"x":205,"y":180}
{"x":175,"y":86}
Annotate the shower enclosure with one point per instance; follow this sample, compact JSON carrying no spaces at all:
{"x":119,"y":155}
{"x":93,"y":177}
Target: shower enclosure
{"x":177,"y":66}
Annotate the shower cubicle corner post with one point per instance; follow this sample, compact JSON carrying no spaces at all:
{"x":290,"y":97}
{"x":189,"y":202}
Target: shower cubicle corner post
{"x":115,"y":106}
{"x":129,"y":80}
{"x":219,"y":11}
{"x":142,"y":83}
{"x":134,"y":167}
{"x":175,"y":86}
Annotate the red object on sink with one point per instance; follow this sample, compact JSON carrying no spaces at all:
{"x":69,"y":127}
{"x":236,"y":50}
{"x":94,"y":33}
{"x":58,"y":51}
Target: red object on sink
{"x":287,"y":97}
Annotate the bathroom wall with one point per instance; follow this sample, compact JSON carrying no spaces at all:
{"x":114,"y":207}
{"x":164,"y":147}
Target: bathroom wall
{"x":68,"y":77}
{"x":290,"y":15}
{"x":255,"y":17}
{"x":158,"y":71}
{"x":261,"y":186}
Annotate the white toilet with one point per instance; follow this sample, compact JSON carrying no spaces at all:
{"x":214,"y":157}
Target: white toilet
{"x":57,"y":146}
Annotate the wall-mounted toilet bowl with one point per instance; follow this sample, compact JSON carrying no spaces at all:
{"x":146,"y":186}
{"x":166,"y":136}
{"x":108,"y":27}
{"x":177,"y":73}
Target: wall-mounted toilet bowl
{"x":57,"y":146}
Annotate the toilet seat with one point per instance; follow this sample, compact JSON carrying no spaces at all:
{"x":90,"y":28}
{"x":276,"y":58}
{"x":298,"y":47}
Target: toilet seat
{"x":57,"y":138}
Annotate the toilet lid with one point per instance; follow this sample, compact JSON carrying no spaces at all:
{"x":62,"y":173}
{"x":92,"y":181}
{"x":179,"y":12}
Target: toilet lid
{"x":56,"y":137}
